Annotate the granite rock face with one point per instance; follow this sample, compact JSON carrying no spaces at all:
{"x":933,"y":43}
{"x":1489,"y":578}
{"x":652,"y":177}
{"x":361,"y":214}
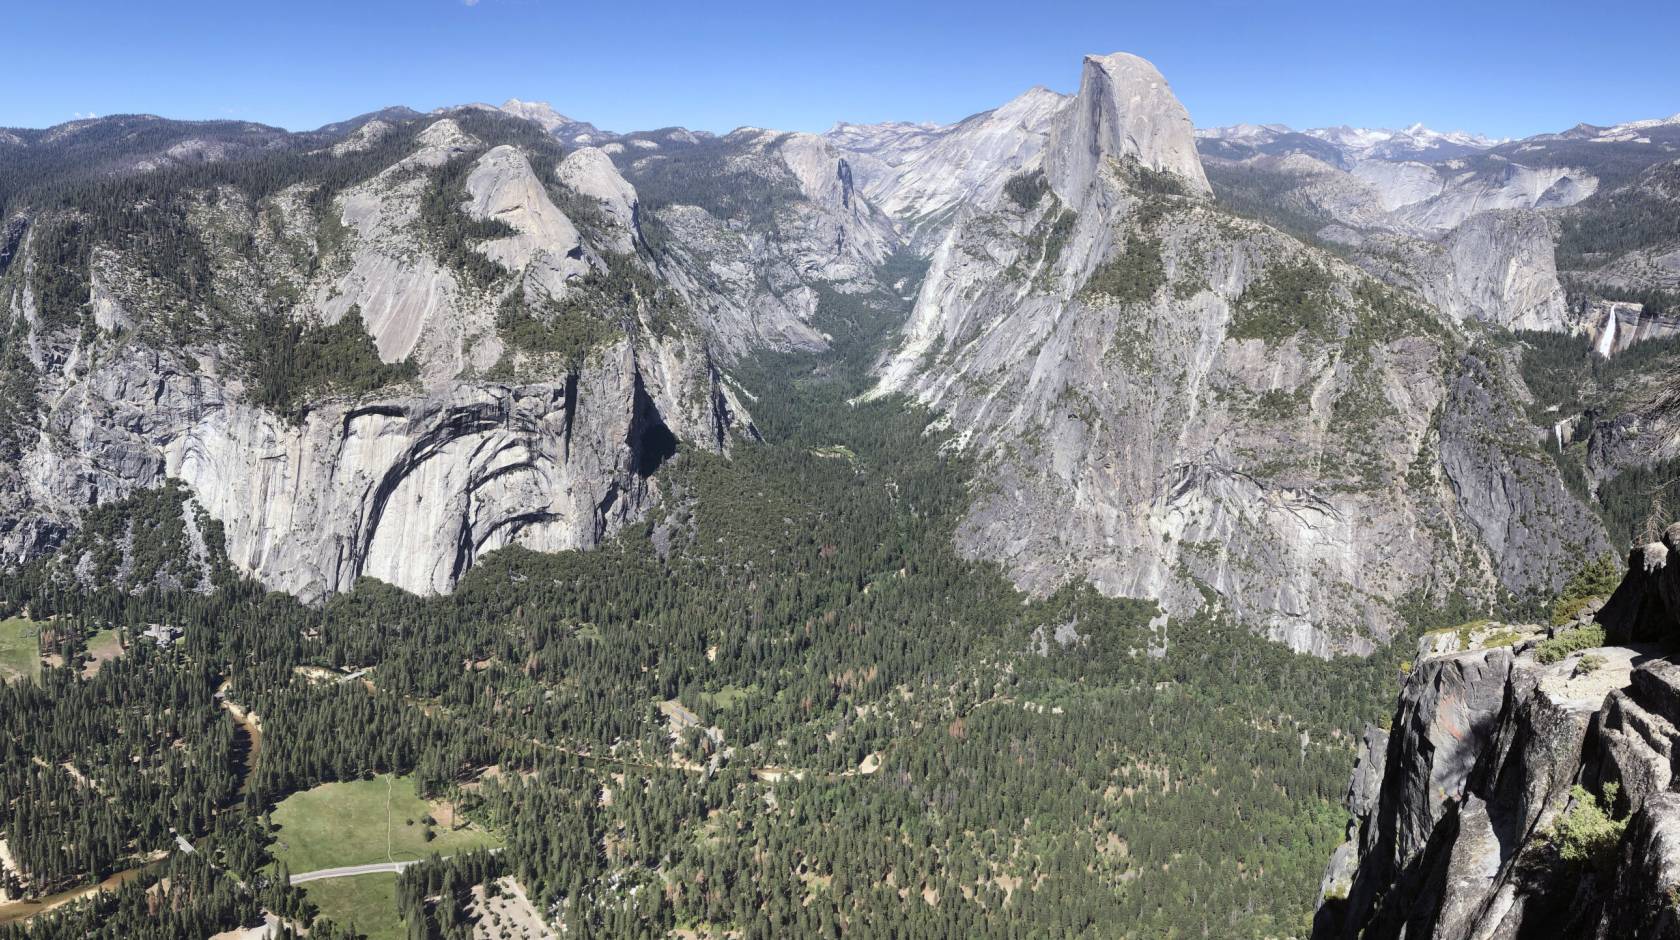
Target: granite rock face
{"x":1481,"y":227}
{"x":1098,"y":333}
{"x":1534,"y":531}
{"x":567,"y":130}
{"x":407,"y":489}
{"x":408,"y":484}
{"x":1124,"y":111}
{"x":544,"y":244}
{"x":1491,"y":748}
{"x":1498,"y":267}
{"x":407,"y":298}
{"x":1465,"y":193}
{"x":590,"y":173}
{"x":1167,"y":399}
{"x":1615,"y":325}
{"x":562,"y":340}
{"x":922,"y":175}
{"x":1473,"y":231}
{"x":781,"y":223}
{"x":1646,"y":605}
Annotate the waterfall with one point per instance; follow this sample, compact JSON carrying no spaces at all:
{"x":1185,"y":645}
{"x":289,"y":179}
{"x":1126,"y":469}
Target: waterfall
{"x":1607,"y":336}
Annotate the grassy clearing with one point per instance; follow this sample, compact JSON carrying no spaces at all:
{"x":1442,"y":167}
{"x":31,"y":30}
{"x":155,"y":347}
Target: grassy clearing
{"x":368,"y":902}
{"x":102,"y":647}
{"x":340,"y":824}
{"x":837,"y":452}
{"x":19,"y":656}
{"x":728,"y":697}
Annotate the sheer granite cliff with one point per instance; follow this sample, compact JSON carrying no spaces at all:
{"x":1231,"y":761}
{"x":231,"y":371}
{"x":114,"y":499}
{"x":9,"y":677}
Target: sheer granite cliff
{"x":409,"y":489}
{"x":1495,"y":267}
{"x":1526,"y":787}
{"x":548,"y":357}
{"x":1180,"y":404}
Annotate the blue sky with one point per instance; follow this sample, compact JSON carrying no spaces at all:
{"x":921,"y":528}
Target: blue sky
{"x":1507,"y":67}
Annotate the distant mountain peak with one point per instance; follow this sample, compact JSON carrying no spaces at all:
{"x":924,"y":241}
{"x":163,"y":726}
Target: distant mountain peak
{"x":1385,"y":143}
{"x":569,"y":130}
{"x":1415,"y":142}
{"x":1244,"y":131}
{"x":1648,"y":122}
{"x":539,"y":111}
{"x":842,"y":127}
{"x":888,"y":137}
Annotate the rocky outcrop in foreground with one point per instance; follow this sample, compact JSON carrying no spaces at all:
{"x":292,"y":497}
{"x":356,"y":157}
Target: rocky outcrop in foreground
{"x":1527,"y":785}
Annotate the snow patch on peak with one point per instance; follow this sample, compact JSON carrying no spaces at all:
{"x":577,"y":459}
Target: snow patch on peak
{"x":1244,"y":133}
{"x":848,"y":130}
{"x":1646,"y":124}
{"x":1366,"y":143}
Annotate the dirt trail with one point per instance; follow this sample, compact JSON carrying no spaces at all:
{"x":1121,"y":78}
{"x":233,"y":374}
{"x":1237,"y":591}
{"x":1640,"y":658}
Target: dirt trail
{"x":23,"y":910}
{"x":251,"y":726}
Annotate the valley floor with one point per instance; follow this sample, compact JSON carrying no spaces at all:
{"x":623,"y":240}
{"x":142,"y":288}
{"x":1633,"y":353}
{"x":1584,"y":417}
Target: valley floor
{"x":783,"y":706}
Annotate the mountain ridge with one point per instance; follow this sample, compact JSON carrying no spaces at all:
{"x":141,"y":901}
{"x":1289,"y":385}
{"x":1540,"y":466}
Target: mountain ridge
{"x":805,"y":219}
{"x":1004,"y":528}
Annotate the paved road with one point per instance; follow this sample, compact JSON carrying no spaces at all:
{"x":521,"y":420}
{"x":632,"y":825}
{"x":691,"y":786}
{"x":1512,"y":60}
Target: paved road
{"x":372,"y":868}
{"x":684,"y":717}
{"x":350,"y":871}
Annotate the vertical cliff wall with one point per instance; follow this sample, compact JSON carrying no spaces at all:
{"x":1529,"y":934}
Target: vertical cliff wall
{"x":1526,"y":787}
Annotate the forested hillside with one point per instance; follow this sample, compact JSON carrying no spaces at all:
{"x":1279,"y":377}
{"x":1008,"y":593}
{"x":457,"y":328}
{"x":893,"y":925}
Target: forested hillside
{"x":903,"y":746}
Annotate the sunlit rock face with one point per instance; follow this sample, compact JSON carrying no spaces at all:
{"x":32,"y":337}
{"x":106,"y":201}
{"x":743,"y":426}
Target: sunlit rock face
{"x":408,"y":484}
{"x":1457,"y":809}
{"x":1090,"y":333}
